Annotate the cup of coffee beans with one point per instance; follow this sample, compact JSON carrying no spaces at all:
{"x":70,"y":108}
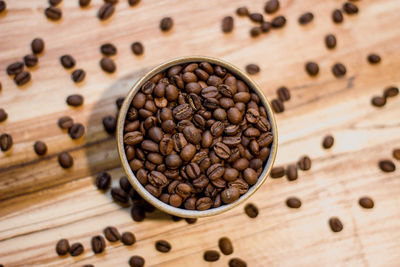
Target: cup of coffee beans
{"x":196,"y":136}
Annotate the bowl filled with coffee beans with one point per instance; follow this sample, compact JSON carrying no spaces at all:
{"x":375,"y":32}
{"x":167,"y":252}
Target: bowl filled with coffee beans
{"x":196,"y":136}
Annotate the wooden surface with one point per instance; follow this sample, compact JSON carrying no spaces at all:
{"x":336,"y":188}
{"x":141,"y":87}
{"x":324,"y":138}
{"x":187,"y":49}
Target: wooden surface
{"x":41,"y":202}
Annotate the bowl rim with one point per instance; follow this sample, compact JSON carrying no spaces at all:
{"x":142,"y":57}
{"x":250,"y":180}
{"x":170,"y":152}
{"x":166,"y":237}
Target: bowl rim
{"x":181,"y":212}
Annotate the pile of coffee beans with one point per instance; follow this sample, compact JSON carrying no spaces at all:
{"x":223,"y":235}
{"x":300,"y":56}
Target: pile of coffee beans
{"x":388,"y":92}
{"x":196,"y":136}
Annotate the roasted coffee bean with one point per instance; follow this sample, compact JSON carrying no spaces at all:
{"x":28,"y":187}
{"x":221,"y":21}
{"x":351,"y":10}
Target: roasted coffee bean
{"x":136,"y":261}
{"x":291,"y":172}
{"x":3,"y":7}
{"x":126,"y":185}
{"x":374,"y":58}
{"x":163,"y":246}
{"x":251,"y":210}
{"x":227,"y":24}
{"x":255,"y":31}
{"x":312,"y":68}
{"x":108,"y":49}
{"x":98,"y":244}
{"x":157,"y":179}
{"x":110,"y":124}
{"x":103,"y":180}
{"x":222,"y":150}
{"x":337,"y":16}
{"x":22,"y":78}
{"x":396,"y":153}
{"x":65,"y":122}
{"x":119,"y":195}
{"x":304,"y":163}
{"x":278,"y":22}
{"x":128,"y":239}
{"x":242,"y":11}
{"x":306,"y":18}
{"x":106,"y":11}
{"x":230,"y":195}
{"x":31,"y":60}
{"x":78,"y":75}
{"x":108,"y":65}
{"x":133,"y":138}
{"x":137,"y":212}
{"x":328,"y":141}
{"x":350,"y":8}
{"x":277,"y":172}
{"x":62,"y":247}
{"x":293,"y":202}
{"x":330,"y":41}
{"x":366,"y":202}
{"x":53,"y":13}
{"x":54,"y":2}
{"x":335,"y":224}
{"x":277,"y":106}
{"x":339,"y":70}
{"x":76,"y":131}
{"x":283,"y":93}
{"x":84,"y":3}
{"x":265,"y":26}
{"x":193,"y":135}
{"x":65,"y":160}
{"x":252,"y":69}
{"x":40,"y":148}
{"x":75,"y":100}
{"x":166,"y":24}
{"x":390,"y":92}
{"x":15,"y":68}
{"x":203,"y":203}
{"x":137,"y":48}
{"x":378,"y":101}
{"x":173,"y":161}
{"x":67,"y":61}
{"x":3,"y":115}
{"x":225,"y":245}
{"x":256,"y":17}
{"x":387,"y":165}
{"x":211,"y":255}
{"x":236,"y":262}
{"x":182,"y":112}
{"x":76,"y":249}
{"x":271,"y":6}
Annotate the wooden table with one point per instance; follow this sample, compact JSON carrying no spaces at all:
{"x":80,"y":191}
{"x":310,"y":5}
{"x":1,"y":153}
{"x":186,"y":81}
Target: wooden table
{"x":40,"y":202}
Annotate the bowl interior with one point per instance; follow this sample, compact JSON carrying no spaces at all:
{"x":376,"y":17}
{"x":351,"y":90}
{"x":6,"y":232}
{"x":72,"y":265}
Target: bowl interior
{"x":135,"y":183}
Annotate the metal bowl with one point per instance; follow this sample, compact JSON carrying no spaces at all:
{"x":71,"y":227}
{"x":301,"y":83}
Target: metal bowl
{"x":135,"y":183}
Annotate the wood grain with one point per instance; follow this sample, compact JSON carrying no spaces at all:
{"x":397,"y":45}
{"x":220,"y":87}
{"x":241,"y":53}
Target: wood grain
{"x":41,"y":203}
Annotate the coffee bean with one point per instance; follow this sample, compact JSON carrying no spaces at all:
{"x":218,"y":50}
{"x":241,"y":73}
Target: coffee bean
{"x":328,"y":141}
{"x":330,"y":41}
{"x":137,"y":48}
{"x":98,"y":244}
{"x":191,"y":220}
{"x":251,"y":210}
{"x":390,"y":92}
{"x":3,"y":115}
{"x":291,"y":172}
{"x":211,"y":255}
{"x":54,"y":2}
{"x":108,"y":49}
{"x":108,"y":65}
{"x":76,"y":249}
{"x":15,"y":68}
{"x":225,"y":245}
{"x":163,"y":246}
{"x":283,"y":93}
{"x":242,"y":11}
{"x":255,"y":31}
{"x":256,"y":17}
{"x":84,"y":3}
{"x":230,"y":195}
{"x":312,"y":68}
{"x":278,"y":22}
{"x":265,"y":26}
{"x":137,"y":213}
{"x":65,"y":160}
{"x":133,"y":2}
{"x":250,"y":176}
{"x":366,"y":202}
{"x":40,"y":148}
{"x":3,"y":6}
{"x":6,"y":142}
{"x":387,"y":165}
{"x":378,"y":101}
{"x":53,"y":13}
{"x":136,"y":261}
{"x":31,"y":60}
{"x":166,"y":24}
{"x":75,"y":100}
{"x":112,"y":234}
{"x":306,"y":18}
{"x":222,"y":150}
{"x":128,"y":239}
{"x":304,"y":163}
{"x":277,"y":172}
{"x":337,"y":16}
{"x":67,"y":61}
{"x":252,"y":69}
{"x":62,"y":247}
{"x":350,"y":8}
{"x":119,"y":195}
{"x":236,"y":262}
{"x":271,"y":6}
{"x":339,"y":70}
{"x":78,"y":75}
{"x":293,"y":202}
{"x":65,"y":122}
{"x":335,"y":224}
{"x":105,"y":11}
{"x":88,"y":265}
{"x":22,"y":78}
{"x":110,"y":124}
{"x":277,"y":106}
{"x":76,"y":131}
{"x":374,"y":58}
{"x":396,"y":153}
{"x":227,"y":24}
{"x":103,"y":181}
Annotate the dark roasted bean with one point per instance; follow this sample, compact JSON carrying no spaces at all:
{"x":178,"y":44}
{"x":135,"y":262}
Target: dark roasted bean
{"x":387,"y":165}
{"x":31,"y":60}
{"x":137,"y":48}
{"x":339,"y":70}
{"x":40,"y":148}
{"x":22,"y":78}
{"x":75,"y":100}
{"x":76,"y":249}
{"x":108,"y":65}
{"x":256,"y":17}
{"x":84,"y":3}
{"x":374,"y":58}
{"x":98,"y":244}
{"x":106,"y":11}
{"x":330,"y":41}
{"x":277,"y":106}
{"x":271,"y":6}
{"x":312,"y":68}
{"x":163,"y":246}
{"x":103,"y":180}
{"x":291,"y":172}
{"x":65,"y":160}
{"x":304,"y":163}
{"x":119,"y":195}
{"x":277,"y":172}
{"x":37,"y":45}
{"x":366,"y":202}
{"x":136,"y":261}
{"x":293,"y":202}
{"x":65,"y":122}
{"x":225,"y":245}
{"x":62,"y":247}
{"x":211,"y":255}
{"x":390,"y":92}
{"x":67,"y":61}
{"x":350,"y":8}
{"x":53,"y":13}
{"x":78,"y":75}
{"x":251,"y":210}
{"x":335,"y":224}
{"x":236,"y":262}
{"x":166,"y":24}
{"x":128,"y":239}
{"x":108,"y":49}
{"x":337,"y":16}
{"x":3,"y":115}
{"x":278,"y":22}
{"x":15,"y":68}
{"x":306,"y":18}
{"x":252,"y":69}
{"x":76,"y":131}
{"x":328,"y":141}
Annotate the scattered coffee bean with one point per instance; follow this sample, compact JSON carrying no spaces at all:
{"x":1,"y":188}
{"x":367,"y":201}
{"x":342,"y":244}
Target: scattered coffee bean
{"x":378,"y":101}
{"x":277,"y":172}
{"x":65,"y":122}
{"x":291,"y":172}
{"x":166,"y":24}
{"x":108,"y":65}
{"x":236,"y":262}
{"x":76,"y":249}
{"x":396,"y":153}
{"x":251,"y":210}
{"x":255,"y":31}
{"x":271,"y":6}
{"x":31,"y":60}
{"x":278,"y":22}
{"x":227,"y":24}
{"x":137,"y":48}
{"x":110,"y":124}
{"x":256,"y":17}
{"x":366,"y":202}
{"x":265,"y":26}
{"x":390,"y":92}
{"x":75,"y":100}
{"x":88,"y":265}
{"x":78,"y":75}
{"x":387,"y":165}
{"x":211,"y":255}
{"x":37,"y":46}
{"x":312,"y":68}
{"x":3,"y":6}
{"x":306,"y":18}
{"x":137,"y":213}
{"x":3,"y":115}
{"x":330,"y":41}
{"x":76,"y":131}
{"x":337,"y":16}
{"x":119,"y":102}
{"x":65,"y":160}
{"x":191,"y":220}
{"x":128,"y":239}
{"x":225,"y":245}
{"x":119,"y":195}
{"x":277,"y":106}
{"x":136,"y":261}
{"x":84,"y":3}
{"x":67,"y":61}
{"x":54,"y":2}
{"x":108,"y":49}
{"x":40,"y":148}
{"x":112,"y":234}
{"x":163,"y":246}
{"x":304,"y":163}
{"x":133,"y":2}
{"x":15,"y":68}
{"x":53,"y":13}
{"x":293,"y":202}
{"x":6,"y":142}
{"x":339,"y":70}
{"x":105,"y":11}
{"x":335,"y":224}
{"x":22,"y":78}
{"x":328,"y":141}
{"x":283,"y":93}
{"x":350,"y":8}
{"x":374,"y":58}
{"x":62,"y":247}
{"x":252,"y":69}
{"x":103,"y":181}
{"x":98,"y":244}
{"x":242,"y":11}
